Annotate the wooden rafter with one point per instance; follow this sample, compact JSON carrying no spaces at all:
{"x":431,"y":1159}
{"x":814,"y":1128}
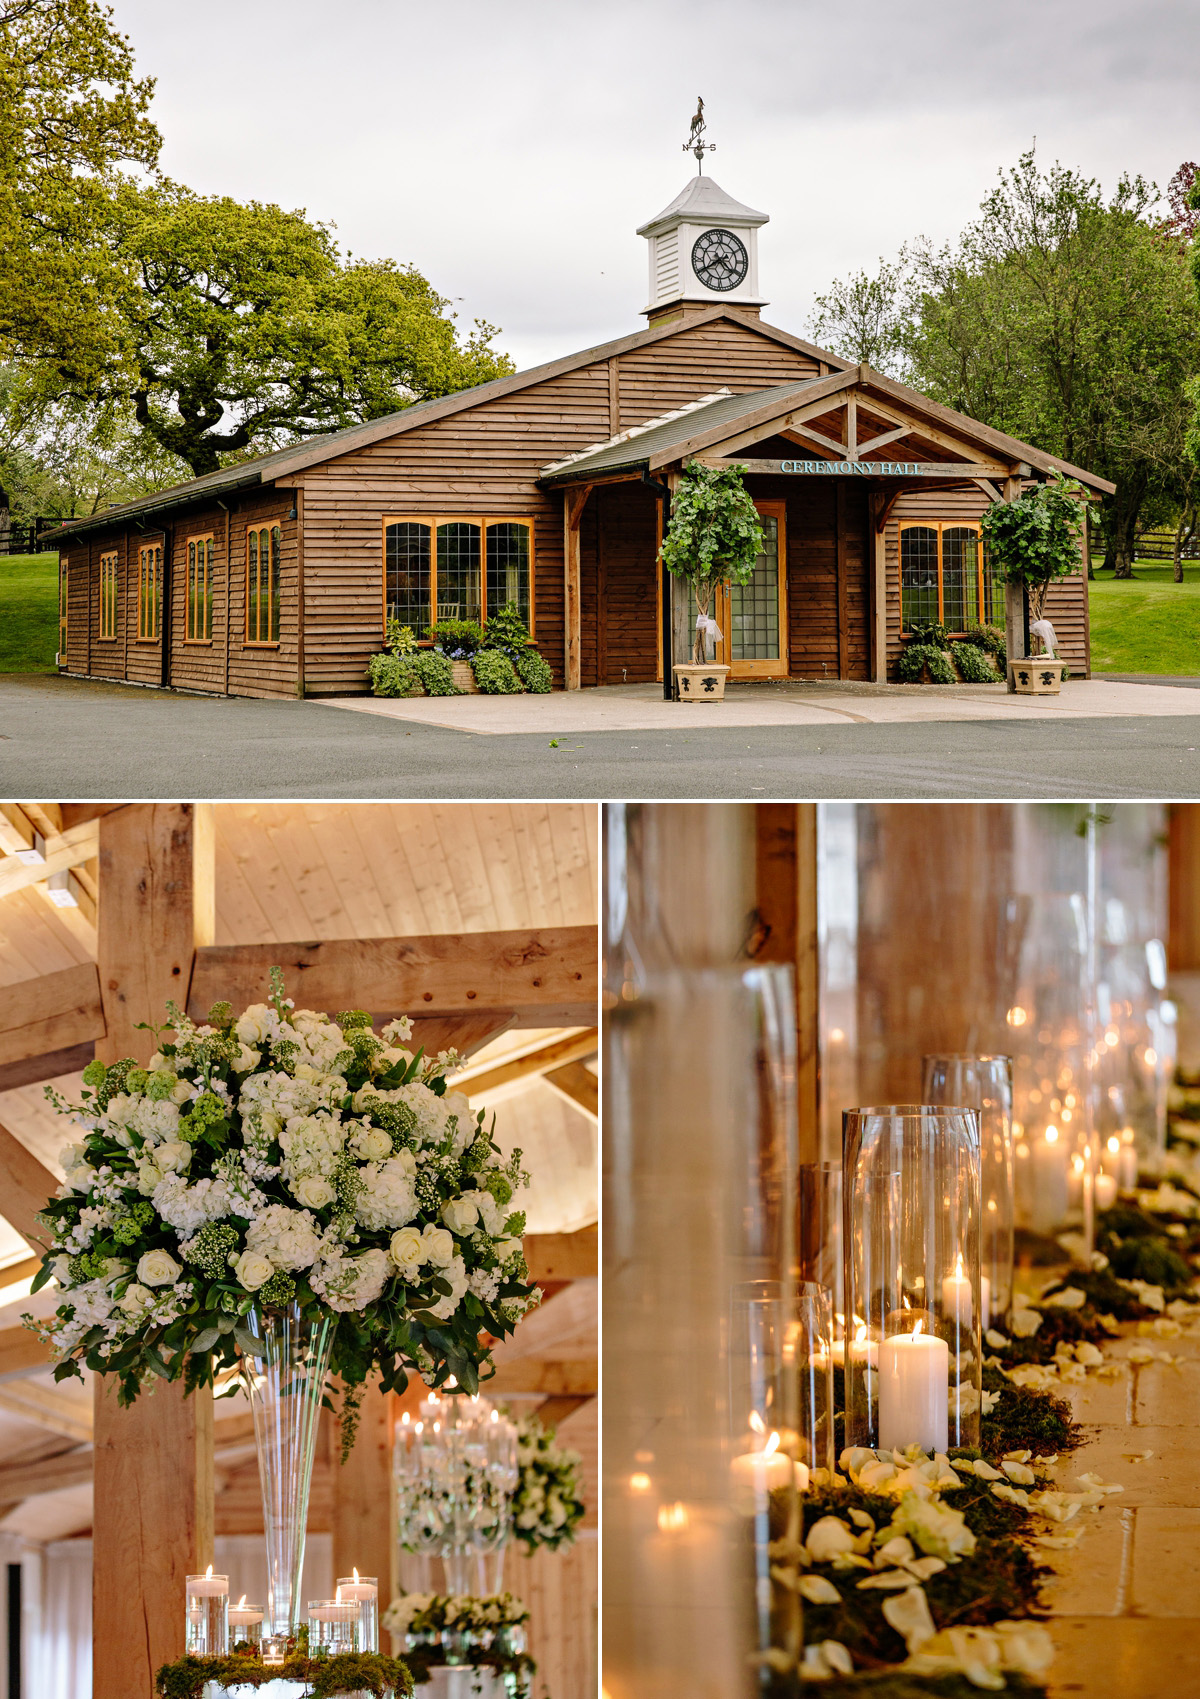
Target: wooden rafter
{"x":578,"y":1084}
{"x":25,"y":1187}
{"x":544,"y":977}
{"x":68,"y":849}
{"x":52,"y":1012}
{"x":19,"y":1481}
{"x":562,"y":1256}
{"x":558,"y":1053}
{"x":32,"y":1070}
{"x":21,"y":1352}
{"x":47,"y":1409}
{"x":574,"y":1379}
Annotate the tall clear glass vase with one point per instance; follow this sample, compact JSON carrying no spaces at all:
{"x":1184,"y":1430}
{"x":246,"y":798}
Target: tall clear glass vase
{"x":285,"y":1383}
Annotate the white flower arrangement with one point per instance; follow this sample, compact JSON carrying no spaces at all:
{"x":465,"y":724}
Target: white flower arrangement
{"x":274,"y":1159}
{"x":429,"y":1614}
{"x":548,"y":1502}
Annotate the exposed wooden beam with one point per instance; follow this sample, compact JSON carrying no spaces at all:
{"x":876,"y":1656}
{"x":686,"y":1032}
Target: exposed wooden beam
{"x":464,"y":1033}
{"x":562,"y":1256}
{"x":26,"y":1186}
{"x":19,"y":1481}
{"x":13,"y":1273}
{"x":786,"y":901}
{"x":557,"y":1053}
{"x":811,"y":400}
{"x":32,"y":1070}
{"x":21,"y":1353}
{"x":556,"y":1380}
{"x":578,"y":1084}
{"x":17,"y":830}
{"x":556,"y":1410}
{"x":46,"y":816}
{"x":545,"y":977}
{"x":50,"y":1410}
{"x":69,"y":849}
{"x":51,"y":1012}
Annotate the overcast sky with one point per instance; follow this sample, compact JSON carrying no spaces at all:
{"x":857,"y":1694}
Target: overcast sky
{"x":510,"y":148}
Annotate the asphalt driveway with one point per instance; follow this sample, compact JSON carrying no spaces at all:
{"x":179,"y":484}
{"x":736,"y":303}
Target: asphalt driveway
{"x":79,"y":739}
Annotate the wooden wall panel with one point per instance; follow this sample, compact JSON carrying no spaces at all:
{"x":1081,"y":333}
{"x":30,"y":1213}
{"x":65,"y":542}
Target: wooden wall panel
{"x":626,"y":516}
{"x":1183,"y":888}
{"x":561,"y":1591}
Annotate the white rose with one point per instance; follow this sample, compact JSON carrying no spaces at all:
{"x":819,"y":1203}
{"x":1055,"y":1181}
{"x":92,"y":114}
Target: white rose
{"x":492,"y":1215}
{"x":253,"y":1270}
{"x":375,"y":1144}
{"x":247,"y":1060}
{"x":439,"y":1246}
{"x":254,"y":1024}
{"x":80,"y":1178}
{"x":181,"y":1092}
{"x":136,"y":1299}
{"x":504,"y":1248}
{"x":460,"y":1215}
{"x":405,"y":1161}
{"x":115,"y":1267}
{"x":173,"y":1158}
{"x":149,"y":1175}
{"x":158,"y":1268}
{"x":408,"y":1249}
{"x":313,"y":1192}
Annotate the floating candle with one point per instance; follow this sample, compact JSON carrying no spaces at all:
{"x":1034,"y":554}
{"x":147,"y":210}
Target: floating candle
{"x":758,"y":1473}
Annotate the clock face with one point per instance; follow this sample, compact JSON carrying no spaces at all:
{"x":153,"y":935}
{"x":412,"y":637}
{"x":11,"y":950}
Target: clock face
{"x":719,"y":260}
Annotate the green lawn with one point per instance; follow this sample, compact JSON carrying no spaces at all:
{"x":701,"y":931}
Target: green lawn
{"x":28,"y":613}
{"x":1147,"y":623}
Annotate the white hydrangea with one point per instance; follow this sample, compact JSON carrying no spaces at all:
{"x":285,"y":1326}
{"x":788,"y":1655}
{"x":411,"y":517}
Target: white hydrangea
{"x":312,"y":1144}
{"x":492,"y":1215}
{"x":153,"y":1121}
{"x":429,"y":1109}
{"x":350,"y":1282}
{"x":186,"y":1208}
{"x":290,"y":1237}
{"x":388,"y":1199}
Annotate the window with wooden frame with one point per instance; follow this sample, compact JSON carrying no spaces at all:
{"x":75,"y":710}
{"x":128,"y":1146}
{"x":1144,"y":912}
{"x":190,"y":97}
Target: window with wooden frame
{"x":198,"y":611}
{"x":150,"y":569}
{"x":448,"y":567}
{"x":64,"y":569}
{"x":944,"y":577}
{"x":262,"y":585}
{"x":108,"y":594}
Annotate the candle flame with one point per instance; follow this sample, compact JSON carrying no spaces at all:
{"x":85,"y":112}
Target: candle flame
{"x":917,"y":1329}
{"x":672,"y":1517}
{"x":356,"y":1577}
{"x":860,"y":1333}
{"x":1051,"y":1135}
{"x":1114,"y":1144}
{"x":958,"y":1268}
{"x":241,"y":1601}
{"x":640,"y":1483}
{"x":772,"y":1444}
{"x":208,"y":1573}
{"x":757,"y":1423}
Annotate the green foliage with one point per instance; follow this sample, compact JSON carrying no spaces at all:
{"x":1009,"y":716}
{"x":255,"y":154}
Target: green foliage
{"x":930,"y":631}
{"x":399,"y":639}
{"x":714,"y":535}
{"x":973,"y":663}
{"x":495,"y":674}
{"x":435,"y":672}
{"x":1147,"y":623}
{"x":458,"y":638}
{"x":534,"y":672}
{"x":347,"y":1673}
{"x":1024,"y":1419}
{"x":915,"y":657}
{"x":991,"y":639}
{"x":1035,"y":539}
{"x":394,"y":675}
{"x":506,"y":630}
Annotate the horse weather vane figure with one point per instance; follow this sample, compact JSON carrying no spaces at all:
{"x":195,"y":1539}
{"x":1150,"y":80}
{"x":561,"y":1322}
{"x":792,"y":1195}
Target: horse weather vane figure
{"x":695,"y":142}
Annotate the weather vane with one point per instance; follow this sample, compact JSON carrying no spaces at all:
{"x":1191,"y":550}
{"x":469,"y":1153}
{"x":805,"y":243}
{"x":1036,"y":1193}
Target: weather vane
{"x":695,"y":142}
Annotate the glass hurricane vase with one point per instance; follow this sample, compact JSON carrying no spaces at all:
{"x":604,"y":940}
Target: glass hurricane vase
{"x":285,"y":1382}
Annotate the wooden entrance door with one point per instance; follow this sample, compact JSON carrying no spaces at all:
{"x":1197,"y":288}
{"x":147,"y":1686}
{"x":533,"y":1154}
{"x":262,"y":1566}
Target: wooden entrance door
{"x":753,"y":616}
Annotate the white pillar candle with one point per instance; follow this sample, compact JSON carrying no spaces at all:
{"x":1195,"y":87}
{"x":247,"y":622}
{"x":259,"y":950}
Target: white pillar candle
{"x":1106,"y":1191}
{"x":914,"y":1392}
{"x":956,"y":1297}
{"x":757,"y":1473}
{"x":862,"y":1349}
{"x":207,"y":1614}
{"x":1128,"y":1171}
{"x":802,"y":1477}
{"x":1049,"y":1180}
{"x":363,"y":1592}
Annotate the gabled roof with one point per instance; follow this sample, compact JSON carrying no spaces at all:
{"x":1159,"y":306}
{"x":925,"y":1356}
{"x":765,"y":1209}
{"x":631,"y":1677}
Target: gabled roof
{"x":278,"y":467}
{"x":703,"y":201}
{"x":704,"y":429}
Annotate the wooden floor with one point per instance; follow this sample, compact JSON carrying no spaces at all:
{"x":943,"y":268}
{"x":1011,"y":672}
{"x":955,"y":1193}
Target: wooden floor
{"x":1126,"y":1602}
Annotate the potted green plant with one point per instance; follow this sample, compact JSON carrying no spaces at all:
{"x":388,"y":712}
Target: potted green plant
{"x":714,"y":537}
{"x":1032,"y":541}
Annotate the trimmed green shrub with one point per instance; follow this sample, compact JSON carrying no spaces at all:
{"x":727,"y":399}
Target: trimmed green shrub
{"x":974,"y":664}
{"x":991,"y":638}
{"x":494,"y":673}
{"x":458,"y":638}
{"x":436,"y":672}
{"x":393,"y":675}
{"x":534,"y":672}
{"x":917,"y":656}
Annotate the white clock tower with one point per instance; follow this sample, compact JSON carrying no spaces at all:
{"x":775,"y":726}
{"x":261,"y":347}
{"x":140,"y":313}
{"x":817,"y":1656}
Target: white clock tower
{"x":703,"y":252}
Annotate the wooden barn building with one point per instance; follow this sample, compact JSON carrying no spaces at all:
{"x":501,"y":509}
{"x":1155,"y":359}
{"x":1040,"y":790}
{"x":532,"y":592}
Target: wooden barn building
{"x":275,"y":577}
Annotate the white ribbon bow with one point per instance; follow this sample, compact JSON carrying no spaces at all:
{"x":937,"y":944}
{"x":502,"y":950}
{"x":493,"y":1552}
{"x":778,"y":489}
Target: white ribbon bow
{"x":709,"y":627}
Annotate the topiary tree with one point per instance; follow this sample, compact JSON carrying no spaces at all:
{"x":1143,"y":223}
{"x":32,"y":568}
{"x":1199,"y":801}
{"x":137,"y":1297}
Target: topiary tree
{"x":714,"y":537}
{"x":1035,"y":539}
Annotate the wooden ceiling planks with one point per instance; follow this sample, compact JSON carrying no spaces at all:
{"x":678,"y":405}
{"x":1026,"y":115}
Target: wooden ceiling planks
{"x":34,"y":938}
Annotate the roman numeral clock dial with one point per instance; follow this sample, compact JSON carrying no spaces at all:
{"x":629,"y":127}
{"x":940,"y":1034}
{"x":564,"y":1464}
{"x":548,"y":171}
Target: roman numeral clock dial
{"x":719,"y":260}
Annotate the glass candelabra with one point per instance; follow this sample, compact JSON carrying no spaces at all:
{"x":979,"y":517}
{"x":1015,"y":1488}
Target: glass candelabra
{"x":456,"y":1474}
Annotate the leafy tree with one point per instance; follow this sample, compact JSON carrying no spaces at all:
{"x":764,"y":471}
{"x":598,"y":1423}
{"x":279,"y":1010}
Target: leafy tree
{"x":1035,"y":539}
{"x":867,"y":318}
{"x":714,"y":537}
{"x":1060,"y":317}
{"x":249,"y":330}
{"x":73,"y":125}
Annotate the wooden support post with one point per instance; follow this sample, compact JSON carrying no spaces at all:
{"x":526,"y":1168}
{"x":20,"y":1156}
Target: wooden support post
{"x":574,"y":502}
{"x":1183,"y":888}
{"x":1014,"y":601}
{"x":786,"y":904}
{"x":843,"y":613}
{"x":363,"y":1513}
{"x":153,"y":1475}
{"x":879,"y":627}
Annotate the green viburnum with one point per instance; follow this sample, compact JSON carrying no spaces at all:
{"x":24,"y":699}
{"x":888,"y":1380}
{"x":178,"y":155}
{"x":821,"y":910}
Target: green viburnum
{"x":279,"y":1290}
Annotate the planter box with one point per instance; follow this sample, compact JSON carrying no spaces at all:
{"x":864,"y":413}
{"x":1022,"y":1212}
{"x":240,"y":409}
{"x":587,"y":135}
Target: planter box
{"x":1036,"y":675}
{"x":700,"y":683}
{"x":464,"y":678}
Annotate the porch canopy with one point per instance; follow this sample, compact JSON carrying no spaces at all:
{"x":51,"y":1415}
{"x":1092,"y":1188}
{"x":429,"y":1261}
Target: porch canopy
{"x":850,"y":425}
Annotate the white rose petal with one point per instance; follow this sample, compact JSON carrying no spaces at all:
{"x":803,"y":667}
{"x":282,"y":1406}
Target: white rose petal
{"x":158,"y":1268}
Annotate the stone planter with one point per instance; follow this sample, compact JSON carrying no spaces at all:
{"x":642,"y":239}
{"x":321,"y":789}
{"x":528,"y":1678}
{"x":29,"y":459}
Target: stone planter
{"x":1036,"y":675}
{"x":700,"y":683}
{"x":464,"y":677}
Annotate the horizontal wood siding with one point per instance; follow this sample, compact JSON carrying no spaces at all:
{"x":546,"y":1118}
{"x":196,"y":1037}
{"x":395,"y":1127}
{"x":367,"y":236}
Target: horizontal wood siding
{"x":1066,"y":601}
{"x":720,"y":355}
